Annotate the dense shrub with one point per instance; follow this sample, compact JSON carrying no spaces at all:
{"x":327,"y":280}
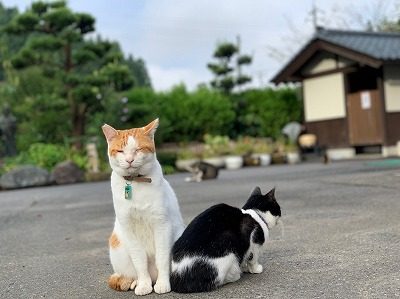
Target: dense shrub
{"x":264,"y":112}
{"x":184,"y":115}
{"x":188,"y":116}
{"x":45,"y":155}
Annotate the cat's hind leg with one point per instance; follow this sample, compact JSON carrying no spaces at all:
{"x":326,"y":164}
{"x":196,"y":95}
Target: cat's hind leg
{"x":124,"y":277}
{"x":253,"y":264}
{"x":228,"y":269}
{"x":233,"y":273}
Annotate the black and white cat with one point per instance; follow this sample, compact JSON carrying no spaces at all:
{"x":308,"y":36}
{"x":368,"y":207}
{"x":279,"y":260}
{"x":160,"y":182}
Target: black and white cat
{"x":222,"y":242}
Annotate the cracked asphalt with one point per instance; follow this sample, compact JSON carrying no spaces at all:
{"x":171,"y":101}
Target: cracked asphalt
{"x":341,"y":237}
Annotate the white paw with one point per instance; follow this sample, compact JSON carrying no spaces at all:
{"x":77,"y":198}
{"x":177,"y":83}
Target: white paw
{"x":143,"y":288}
{"x":133,"y":284}
{"x":162,"y":287}
{"x":255,"y":269}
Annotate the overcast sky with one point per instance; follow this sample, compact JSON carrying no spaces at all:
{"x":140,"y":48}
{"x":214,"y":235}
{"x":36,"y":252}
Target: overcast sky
{"x":176,"y":38}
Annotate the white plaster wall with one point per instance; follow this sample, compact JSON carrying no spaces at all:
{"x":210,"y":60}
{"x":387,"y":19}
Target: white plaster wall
{"x":324,"y":62}
{"x":391,"y":75}
{"x":324,"y":97}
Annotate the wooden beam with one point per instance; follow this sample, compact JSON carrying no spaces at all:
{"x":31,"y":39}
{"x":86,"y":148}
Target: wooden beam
{"x":347,"y":69}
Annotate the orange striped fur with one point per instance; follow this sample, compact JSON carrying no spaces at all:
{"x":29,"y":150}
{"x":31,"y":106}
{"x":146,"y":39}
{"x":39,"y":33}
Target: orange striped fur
{"x":144,"y":137}
{"x":119,"y":282}
{"x":113,"y":241}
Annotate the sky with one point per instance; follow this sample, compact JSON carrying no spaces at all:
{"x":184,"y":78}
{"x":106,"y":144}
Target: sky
{"x":177,"y":38}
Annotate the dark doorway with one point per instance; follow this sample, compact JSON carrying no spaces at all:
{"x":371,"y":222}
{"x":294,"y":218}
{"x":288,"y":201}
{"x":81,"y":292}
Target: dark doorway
{"x":364,"y":107}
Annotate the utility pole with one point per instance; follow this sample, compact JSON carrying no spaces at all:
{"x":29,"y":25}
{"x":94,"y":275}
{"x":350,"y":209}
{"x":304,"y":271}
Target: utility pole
{"x":314,"y":15}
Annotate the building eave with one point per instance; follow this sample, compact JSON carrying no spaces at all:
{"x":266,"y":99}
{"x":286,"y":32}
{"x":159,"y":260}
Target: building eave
{"x":289,"y":73}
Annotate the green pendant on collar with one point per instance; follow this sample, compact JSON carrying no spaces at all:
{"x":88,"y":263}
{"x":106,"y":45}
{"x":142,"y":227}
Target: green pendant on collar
{"x":128,"y":184}
{"x":128,"y":190}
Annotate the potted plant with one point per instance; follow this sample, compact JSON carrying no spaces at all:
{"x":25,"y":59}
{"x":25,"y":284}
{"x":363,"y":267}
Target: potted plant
{"x":292,"y":153}
{"x":278,"y":155}
{"x":215,"y":148}
{"x":238,"y":149}
{"x":262,"y":150}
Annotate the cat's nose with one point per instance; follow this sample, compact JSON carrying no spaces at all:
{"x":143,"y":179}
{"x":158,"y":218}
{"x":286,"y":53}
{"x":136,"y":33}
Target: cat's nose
{"x":129,"y":159}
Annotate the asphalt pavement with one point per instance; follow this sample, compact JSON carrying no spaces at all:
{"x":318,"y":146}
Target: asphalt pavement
{"x":341,"y":236}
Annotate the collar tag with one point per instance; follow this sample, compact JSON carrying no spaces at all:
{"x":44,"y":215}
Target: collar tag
{"x":128,"y":191}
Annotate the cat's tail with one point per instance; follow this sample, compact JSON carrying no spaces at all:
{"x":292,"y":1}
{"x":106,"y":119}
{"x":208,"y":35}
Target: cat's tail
{"x":198,"y":277}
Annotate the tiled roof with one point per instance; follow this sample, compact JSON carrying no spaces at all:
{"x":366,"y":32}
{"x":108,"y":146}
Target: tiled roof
{"x":379,"y":45}
{"x":368,"y":48}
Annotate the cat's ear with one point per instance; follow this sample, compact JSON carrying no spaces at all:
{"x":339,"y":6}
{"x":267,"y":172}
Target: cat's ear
{"x":271,"y":193}
{"x":256,"y":191}
{"x":109,"y":132}
{"x":151,"y":128}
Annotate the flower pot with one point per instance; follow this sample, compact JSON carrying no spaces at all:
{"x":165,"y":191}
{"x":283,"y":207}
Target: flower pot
{"x":216,"y":161}
{"x":293,"y":158}
{"x":265,"y":159}
{"x":233,"y":162}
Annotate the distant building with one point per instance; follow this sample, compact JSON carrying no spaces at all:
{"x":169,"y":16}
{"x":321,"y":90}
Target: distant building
{"x":351,"y":89}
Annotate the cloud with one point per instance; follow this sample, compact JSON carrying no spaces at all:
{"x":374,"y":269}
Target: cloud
{"x":167,"y":77}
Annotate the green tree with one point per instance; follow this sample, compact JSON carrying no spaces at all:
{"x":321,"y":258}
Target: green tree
{"x":139,"y":71}
{"x":88,"y":69}
{"x":8,"y":44}
{"x":264,"y":112}
{"x":228,"y":67}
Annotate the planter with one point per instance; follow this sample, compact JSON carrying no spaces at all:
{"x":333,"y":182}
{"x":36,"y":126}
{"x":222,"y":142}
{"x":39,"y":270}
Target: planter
{"x":265,"y":159}
{"x":184,"y":164}
{"x":216,"y":161}
{"x":293,"y":158}
{"x":233,"y":162}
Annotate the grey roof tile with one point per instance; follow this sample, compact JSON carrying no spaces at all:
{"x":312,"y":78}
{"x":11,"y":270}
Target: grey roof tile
{"x":380,"y":45}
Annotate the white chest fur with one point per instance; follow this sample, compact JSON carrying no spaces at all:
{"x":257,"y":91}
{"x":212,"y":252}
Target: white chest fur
{"x":257,"y":218}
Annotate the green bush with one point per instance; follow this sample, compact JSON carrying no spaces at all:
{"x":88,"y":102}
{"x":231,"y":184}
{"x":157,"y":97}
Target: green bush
{"x":46,"y":155}
{"x":184,"y":116}
{"x":168,"y":169}
{"x":264,"y":112}
{"x":79,"y":158}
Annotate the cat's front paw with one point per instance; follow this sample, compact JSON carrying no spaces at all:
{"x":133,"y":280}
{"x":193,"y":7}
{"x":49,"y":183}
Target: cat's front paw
{"x":256,"y":269}
{"x":143,"y":288}
{"x":162,"y":287}
{"x":244,"y":267}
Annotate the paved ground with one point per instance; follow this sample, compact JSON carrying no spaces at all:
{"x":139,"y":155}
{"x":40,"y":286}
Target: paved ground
{"x":342,"y":234}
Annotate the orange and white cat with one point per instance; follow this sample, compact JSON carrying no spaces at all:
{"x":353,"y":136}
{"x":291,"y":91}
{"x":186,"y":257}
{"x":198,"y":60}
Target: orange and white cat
{"x":148,"y":220}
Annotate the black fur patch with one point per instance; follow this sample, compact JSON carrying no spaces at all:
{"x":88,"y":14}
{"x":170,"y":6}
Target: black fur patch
{"x":217,"y":232}
{"x":258,"y":236}
{"x":201,"y":277}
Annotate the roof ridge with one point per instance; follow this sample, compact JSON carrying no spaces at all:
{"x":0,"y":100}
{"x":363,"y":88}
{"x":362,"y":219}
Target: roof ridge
{"x":320,"y":32}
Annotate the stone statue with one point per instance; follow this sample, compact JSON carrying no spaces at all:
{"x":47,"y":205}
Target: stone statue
{"x":8,"y":128}
{"x":93,"y":158}
{"x":292,"y":131}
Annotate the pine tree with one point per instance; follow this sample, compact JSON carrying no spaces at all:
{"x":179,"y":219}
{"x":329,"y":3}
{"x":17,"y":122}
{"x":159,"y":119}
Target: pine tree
{"x":228,"y":68}
{"x":88,"y":69}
